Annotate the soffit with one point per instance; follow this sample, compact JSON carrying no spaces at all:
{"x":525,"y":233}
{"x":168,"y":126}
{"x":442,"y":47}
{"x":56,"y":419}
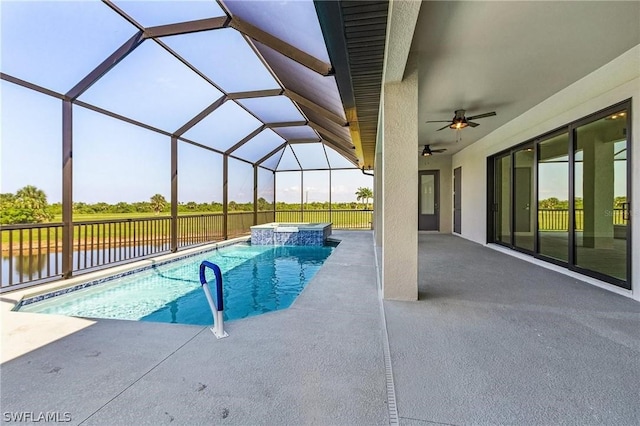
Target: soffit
{"x":365,"y":24}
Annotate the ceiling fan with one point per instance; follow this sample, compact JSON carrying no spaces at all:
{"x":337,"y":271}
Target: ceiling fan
{"x":428,"y":152}
{"x":459,"y":121}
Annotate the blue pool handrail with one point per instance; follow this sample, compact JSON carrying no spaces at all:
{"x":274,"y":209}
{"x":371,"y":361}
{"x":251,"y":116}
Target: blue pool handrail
{"x":217,"y":307}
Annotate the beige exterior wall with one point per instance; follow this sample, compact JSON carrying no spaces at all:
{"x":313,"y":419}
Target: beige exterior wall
{"x":616,"y":81}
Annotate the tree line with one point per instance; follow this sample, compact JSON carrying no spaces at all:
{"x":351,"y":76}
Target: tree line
{"x":29,"y":205}
{"x":553,"y":203}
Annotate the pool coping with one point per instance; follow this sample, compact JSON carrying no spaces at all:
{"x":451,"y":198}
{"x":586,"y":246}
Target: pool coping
{"x":12,"y":300}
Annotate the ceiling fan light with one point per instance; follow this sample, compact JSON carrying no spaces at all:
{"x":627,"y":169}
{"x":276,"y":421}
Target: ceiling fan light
{"x":426,"y":152}
{"x":458,"y":124}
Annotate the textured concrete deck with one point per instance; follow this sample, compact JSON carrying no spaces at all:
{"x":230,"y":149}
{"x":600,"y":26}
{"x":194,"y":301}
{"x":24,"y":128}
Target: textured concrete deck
{"x":493,"y":340}
{"x":319,"y":362}
{"x":498,"y":340}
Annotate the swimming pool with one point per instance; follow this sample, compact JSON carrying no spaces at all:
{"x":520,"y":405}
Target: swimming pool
{"x":257,"y":279}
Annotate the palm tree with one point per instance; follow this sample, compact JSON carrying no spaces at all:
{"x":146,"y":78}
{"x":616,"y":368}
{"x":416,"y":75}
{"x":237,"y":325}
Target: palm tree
{"x":158,"y":202}
{"x":364,"y":194}
{"x":34,"y":199}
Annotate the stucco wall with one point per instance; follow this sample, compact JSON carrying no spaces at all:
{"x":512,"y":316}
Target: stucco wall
{"x":399,"y":188}
{"x":614,"y":82}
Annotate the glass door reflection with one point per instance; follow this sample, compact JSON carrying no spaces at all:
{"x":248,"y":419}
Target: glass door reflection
{"x":502,"y":199}
{"x":523,"y":199}
{"x":553,"y":197}
{"x":601,"y":199}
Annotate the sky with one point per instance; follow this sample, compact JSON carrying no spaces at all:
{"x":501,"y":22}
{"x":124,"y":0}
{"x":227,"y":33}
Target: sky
{"x":115,"y":161}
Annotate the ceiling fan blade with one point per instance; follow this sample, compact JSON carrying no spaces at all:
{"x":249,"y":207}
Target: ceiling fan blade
{"x":439,"y":150}
{"x":472,"y":124}
{"x":486,"y":114}
{"x":442,"y":128}
{"x":438,"y":121}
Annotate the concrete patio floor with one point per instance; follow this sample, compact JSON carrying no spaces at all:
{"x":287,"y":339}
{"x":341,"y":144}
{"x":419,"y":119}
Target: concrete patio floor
{"x":498,"y":340}
{"x":492,"y":340}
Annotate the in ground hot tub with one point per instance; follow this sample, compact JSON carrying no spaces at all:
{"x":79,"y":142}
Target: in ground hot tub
{"x":290,"y":234}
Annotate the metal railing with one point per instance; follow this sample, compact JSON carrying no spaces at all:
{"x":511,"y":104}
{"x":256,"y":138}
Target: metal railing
{"x":200,"y":229}
{"x":558,"y":219}
{"x":32,"y":253}
{"x":239,"y":223}
{"x":102,"y":242}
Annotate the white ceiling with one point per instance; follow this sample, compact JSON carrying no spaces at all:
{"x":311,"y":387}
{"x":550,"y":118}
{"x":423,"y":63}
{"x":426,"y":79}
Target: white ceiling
{"x":509,"y":56}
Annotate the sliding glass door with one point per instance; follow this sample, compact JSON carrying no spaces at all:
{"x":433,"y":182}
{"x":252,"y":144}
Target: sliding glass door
{"x":564,"y":196}
{"x":600,"y":201}
{"x":502,"y":199}
{"x":523,"y":198}
{"x":553,"y":197}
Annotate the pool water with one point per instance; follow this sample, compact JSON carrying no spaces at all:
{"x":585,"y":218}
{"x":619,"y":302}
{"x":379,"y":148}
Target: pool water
{"x":256,"y":279}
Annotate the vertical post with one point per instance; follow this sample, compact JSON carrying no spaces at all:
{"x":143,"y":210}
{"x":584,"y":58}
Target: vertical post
{"x":274,"y":195}
{"x":301,"y":195}
{"x":67,"y":188}
{"x":400,"y":205}
{"x":572,"y":192}
{"x":225,"y":196}
{"x":255,"y":194}
{"x":174,"y":194}
{"x":330,"y":207}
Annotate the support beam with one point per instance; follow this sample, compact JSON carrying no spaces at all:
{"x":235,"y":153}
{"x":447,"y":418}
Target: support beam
{"x":403,"y":16}
{"x":245,"y":140}
{"x":330,"y":187}
{"x":333,"y":29}
{"x":67,"y":189}
{"x":282,"y":47}
{"x":255,"y":194}
{"x":345,"y":152}
{"x":199,"y":145}
{"x":120,"y":117}
{"x":174,"y":194}
{"x":301,"y":193}
{"x":296,"y":157}
{"x":378,"y":186}
{"x":122,"y":13}
{"x":266,"y":157}
{"x":296,"y":141}
{"x":198,"y":118}
{"x":225,"y":196}
{"x":106,"y":65}
{"x":26,"y":84}
{"x":187,"y":27}
{"x":400,"y":183}
{"x":315,"y":108}
{"x":323,"y":131}
{"x":274,"y":196}
{"x":255,"y":94}
{"x":285,"y":124}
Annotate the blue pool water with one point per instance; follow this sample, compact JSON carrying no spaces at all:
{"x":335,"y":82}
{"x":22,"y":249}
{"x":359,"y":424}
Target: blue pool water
{"x":257,"y":279}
